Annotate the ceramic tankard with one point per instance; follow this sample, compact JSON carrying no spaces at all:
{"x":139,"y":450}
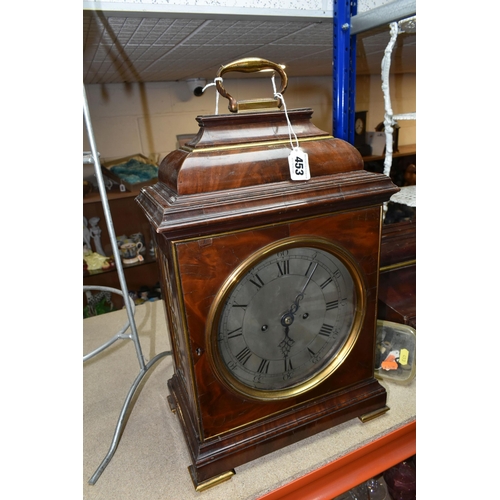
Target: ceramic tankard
{"x":136,"y":237}
{"x":130,"y":251}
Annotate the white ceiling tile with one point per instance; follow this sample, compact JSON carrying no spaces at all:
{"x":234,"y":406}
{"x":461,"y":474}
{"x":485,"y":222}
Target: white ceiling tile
{"x":145,"y":48}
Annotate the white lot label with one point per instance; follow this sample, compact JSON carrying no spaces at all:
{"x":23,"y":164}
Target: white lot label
{"x":298,"y":161}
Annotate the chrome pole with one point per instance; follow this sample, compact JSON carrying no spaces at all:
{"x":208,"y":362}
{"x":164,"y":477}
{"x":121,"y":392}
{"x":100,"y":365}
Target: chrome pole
{"x":93,"y":158}
{"x":109,"y":222}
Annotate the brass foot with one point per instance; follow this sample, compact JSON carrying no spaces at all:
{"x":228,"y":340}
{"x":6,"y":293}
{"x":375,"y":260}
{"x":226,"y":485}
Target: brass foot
{"x":373,"y":414}
{"x":213,"y":481}
{"x":171,"y":403}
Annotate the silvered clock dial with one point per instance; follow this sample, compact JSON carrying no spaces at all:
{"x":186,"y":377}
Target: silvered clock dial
{"x":286,"y":318}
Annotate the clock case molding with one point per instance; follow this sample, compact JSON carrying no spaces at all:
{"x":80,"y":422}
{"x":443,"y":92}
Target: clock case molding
{"x":221,"y":198}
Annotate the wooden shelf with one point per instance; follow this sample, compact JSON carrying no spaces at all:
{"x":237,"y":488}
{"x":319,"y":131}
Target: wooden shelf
{"x":148,"y":259}
{"x":128,"y":219}
{"x":113,"y":194}
{"x":406,"y":150}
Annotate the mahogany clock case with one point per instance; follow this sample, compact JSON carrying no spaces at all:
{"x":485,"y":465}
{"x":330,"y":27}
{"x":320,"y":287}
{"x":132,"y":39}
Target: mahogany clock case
{"x":220,"y":200}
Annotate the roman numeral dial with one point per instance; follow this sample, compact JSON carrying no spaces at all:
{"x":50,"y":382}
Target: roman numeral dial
{"x":286,"y":318}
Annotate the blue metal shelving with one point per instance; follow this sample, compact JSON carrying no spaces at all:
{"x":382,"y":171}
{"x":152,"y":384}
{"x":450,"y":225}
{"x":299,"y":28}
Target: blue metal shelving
{"x":344,"y":70}
{"x":346,"y":24}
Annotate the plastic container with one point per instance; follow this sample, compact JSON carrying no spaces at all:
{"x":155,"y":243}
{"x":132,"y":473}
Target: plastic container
{"x":395,"y":352}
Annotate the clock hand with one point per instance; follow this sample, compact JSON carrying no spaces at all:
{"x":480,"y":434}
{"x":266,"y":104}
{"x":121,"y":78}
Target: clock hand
{"x":287,"y":318}
{"x":286,"y":343}
{"x":295,"y":306}
{"x":309,"y":278}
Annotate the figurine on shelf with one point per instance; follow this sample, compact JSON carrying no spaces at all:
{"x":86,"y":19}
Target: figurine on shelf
{"x":96,"y":262}
{"x":86,"y":237}
{"x":99,"y":303}
{"x":95,"y":232}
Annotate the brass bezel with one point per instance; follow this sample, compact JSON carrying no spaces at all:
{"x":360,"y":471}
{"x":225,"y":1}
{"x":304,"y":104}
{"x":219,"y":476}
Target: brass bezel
{"x":219,"y":368}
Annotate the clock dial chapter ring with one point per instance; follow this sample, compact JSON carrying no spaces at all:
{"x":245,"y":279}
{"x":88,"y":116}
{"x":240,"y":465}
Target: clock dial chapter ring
{"x":286,"y":318}
{"x":359,"y":126}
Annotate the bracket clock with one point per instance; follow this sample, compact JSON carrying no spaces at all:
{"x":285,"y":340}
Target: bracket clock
{"x":360,"y":133}
{"x":270,"y":284}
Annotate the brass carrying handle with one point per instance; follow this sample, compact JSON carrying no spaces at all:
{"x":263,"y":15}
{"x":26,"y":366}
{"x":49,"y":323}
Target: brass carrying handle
{"x":249,"y":65}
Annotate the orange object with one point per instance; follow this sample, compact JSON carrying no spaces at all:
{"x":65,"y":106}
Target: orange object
{"x":390,"y":363}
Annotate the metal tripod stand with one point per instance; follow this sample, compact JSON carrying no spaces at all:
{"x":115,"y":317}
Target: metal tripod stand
{"x":93,"y":158}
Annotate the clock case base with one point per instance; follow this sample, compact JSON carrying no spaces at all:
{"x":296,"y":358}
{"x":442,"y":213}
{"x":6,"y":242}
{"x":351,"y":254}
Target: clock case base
{"x":211,"y":460}
{"x":232,"y":179}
